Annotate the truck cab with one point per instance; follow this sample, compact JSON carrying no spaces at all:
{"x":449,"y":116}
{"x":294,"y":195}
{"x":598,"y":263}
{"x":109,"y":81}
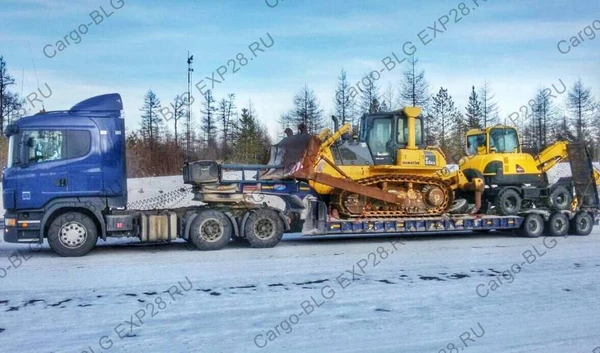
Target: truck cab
{"x":62,"y":160}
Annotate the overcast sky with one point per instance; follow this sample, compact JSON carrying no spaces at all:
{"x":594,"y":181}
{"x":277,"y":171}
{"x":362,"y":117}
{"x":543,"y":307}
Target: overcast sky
{"x":139,"y":45}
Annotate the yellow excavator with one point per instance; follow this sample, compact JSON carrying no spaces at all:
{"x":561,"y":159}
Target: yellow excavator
{"x":386,"y":171}
{"x":516,"y":181}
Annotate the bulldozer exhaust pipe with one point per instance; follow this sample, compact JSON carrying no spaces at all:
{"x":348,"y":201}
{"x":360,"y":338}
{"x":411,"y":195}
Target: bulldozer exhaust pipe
{"x":336,"y":123}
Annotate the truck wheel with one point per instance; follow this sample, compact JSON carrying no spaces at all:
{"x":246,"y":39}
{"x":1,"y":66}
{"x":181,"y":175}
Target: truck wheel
{"x":581,"y":224}
{"x":211,"y":230}
{"x":560,"y":198}
{"x":72,"y":234}
{"x":508,"y":202}
{"x":557,"y":225}
{"x":263,"y":228}
{"x":532,"y":226}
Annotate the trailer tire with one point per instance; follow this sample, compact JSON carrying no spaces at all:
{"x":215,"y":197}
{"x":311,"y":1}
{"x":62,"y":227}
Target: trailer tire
{"x":557,"y":225}
{"x":581,"y":224}
{"x":459,"y":206}
{"x":532,"y":227}
{"x":263,"y":228}
{"x":211,"y":230}
{"x":508,"y":202}
{"x":560,"y":198}
{"x":72,"y":234}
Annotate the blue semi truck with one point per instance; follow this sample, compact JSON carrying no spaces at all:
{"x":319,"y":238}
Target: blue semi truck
{"x":66,"y":181}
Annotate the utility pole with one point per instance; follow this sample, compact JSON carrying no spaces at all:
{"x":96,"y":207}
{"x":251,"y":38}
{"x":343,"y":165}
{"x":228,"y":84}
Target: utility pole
{"x":190,"y":59}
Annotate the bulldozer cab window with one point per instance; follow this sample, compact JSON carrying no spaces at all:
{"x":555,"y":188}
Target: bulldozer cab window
{"x":380,"y":137}
{"x":504,"y":140}
{"x":403,"y":131}
{"x":474,"y":142}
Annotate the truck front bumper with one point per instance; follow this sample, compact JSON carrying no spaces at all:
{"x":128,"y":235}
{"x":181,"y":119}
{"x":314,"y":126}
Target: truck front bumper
{"x":21,"y":231}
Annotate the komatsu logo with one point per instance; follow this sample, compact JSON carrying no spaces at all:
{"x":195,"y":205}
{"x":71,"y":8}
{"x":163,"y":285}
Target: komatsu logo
{"x":411,"y":162}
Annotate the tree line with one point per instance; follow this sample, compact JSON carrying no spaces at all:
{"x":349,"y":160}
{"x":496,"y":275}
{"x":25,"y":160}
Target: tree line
{"x":219,"y":130}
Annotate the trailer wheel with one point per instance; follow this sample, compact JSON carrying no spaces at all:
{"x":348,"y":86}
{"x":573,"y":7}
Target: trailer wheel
{"x":508,"y":202}
{"x":581,"y":224}
{"x":459,"y":206}
{"x":532,"y":226}
{"x":560,"y":198}
{"x":558,"y":224}
{"x":263,"y":228}
{"x":211,"y":230}
{"x":72,"y":234}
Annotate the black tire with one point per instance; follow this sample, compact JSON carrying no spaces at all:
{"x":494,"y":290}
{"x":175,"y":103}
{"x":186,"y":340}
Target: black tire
{"x":72,"y":234}
{"x":581,"y":224}
{"x":508,"y":202}
{"x":557,"y":225}
{"x":211,"y":230}
{"x":560,"y":198}
{"x":264,"y":228}
{"x":459,"y":206}
{"x":532,"y":227}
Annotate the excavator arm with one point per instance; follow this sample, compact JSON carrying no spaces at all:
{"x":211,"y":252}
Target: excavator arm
{"x":552,"y":155}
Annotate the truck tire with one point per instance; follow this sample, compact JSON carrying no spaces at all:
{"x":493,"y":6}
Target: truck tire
{"x":532,"y":226}
{"x":581,"y":224}
{"x":560,"y":198}
{"x":263,"y":228}
{"x":211,"y":230}
{"x":557,"y":225}
{"x":508,"y":202}
{"x":72,"y":234}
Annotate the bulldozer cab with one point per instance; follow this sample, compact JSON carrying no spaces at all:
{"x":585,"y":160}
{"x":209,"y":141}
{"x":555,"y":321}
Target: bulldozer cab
{"x":386,"y":133}
{"x":496,"y":139}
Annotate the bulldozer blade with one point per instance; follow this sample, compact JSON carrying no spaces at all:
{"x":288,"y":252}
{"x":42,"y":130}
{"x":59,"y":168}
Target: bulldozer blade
{"x":288,"y":154}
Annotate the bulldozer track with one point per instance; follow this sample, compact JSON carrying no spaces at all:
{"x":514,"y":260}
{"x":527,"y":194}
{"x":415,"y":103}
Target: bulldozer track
{"x":375,"y":208}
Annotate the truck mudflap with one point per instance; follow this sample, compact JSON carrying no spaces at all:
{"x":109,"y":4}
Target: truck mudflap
{"x":318,"y":222}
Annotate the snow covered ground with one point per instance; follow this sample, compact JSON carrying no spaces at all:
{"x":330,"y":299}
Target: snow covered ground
{"x":436,"y":293}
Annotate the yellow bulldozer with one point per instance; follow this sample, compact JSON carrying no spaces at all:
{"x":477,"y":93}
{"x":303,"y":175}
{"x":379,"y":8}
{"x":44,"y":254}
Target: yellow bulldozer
{"x":516,"y":181}
{"x":386,"y":171}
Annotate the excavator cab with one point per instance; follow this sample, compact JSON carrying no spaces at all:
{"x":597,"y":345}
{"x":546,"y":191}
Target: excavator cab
{"x":497,"y":139}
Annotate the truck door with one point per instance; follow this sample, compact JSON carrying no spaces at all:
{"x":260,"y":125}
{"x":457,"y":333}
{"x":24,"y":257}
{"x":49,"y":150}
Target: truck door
{"x":42,"y":175}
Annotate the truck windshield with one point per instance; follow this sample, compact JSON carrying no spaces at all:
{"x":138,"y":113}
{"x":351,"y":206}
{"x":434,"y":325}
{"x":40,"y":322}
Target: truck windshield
{"x":504,"y":140}
{"x":12,"y":151}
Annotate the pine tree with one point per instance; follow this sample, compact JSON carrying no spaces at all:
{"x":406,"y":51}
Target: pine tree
{"x":209,"y":126}
{"x":489,"y":108}
{"x":474,"y":111}
{"x":252,"y":140}
{"x":307,"y":111}
{"x":179,"y":112}
{"x":444,"y":116}
{"x":151,"y":121}
{"x":345,"y":103}
{"x":369,"y":98}
{"x":226,"y":114}
{"x":5,"y":81}
{"x":543,"y":116}
{"x":414,"y":89}
{"x":582,"y":106}
{"x":388,"y":97}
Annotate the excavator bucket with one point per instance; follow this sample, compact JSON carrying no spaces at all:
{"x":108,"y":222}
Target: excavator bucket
{"x":289,"y":155}
{"x":583,"y":175}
